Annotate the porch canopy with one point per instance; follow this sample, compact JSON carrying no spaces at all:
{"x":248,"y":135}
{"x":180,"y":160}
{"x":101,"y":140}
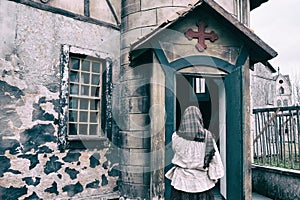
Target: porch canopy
{"x":259,"y":51}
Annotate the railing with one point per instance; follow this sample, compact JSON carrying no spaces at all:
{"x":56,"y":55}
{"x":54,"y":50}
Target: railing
{"x":276,"y":137}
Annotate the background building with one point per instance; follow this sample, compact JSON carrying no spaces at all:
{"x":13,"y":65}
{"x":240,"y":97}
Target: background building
{"x":88,"y":93}
{"x":283,"y":87}
{"x":270,"y":88}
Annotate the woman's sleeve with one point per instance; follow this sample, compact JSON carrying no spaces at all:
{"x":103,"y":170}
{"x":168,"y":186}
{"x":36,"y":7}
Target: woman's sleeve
{"x":177,"y":143}
{"x":216,"y":168}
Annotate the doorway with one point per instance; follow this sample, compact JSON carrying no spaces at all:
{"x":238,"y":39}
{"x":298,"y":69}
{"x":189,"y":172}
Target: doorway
{"x":206,"y":91}
{"x":196,"y":90}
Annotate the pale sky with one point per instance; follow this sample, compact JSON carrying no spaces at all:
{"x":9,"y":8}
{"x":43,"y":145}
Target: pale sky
{"x":277,"y":22}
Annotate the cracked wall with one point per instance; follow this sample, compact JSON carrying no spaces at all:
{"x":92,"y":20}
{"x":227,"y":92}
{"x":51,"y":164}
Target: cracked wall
{"x":32,"y":166}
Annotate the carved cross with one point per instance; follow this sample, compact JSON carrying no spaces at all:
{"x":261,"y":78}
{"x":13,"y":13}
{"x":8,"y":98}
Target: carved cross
{"x":201,"y":35}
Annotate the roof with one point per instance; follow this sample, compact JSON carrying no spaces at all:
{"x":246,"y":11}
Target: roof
{"x":259,"y":50}
{"x":256,"y":3}
{"x":272,"y":69}
{"x":286,"y":77}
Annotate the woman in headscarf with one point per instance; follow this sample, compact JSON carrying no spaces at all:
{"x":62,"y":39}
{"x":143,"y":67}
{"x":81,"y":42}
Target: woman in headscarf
{"x":197,"y":162}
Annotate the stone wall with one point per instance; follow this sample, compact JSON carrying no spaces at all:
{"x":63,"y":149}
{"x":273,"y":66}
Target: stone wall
{"x":276,"y":183}
{"x":262,"y":87}
{"x":32,"y":166}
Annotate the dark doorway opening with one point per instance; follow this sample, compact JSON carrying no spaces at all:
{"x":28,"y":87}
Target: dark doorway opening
{"x":200,"y":91}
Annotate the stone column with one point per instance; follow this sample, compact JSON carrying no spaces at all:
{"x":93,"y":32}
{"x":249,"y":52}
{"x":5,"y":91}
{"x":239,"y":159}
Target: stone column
{"x":138,"y":18}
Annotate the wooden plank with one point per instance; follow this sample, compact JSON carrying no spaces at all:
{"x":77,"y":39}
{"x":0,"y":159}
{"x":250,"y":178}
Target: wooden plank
{"x":66,"y":13}
{"x":267,"y":124}
{"x":234,"y":138}
{"x":277,"y":140}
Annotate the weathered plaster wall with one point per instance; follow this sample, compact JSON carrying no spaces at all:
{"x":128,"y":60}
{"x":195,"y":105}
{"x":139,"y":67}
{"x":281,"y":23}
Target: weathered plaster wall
{"x":103,"y":10}
{"x":32,"y":167}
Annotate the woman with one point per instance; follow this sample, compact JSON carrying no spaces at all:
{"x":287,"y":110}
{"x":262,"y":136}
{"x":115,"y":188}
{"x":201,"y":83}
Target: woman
{"x":197,"y":162}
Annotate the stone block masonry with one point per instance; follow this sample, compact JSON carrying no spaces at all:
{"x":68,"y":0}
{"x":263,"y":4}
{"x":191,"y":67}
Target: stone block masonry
{"x":138,"y":18}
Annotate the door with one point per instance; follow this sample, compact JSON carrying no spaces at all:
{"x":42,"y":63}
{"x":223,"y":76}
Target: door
{"x":208,"y":93}
{"x":237,"y":97}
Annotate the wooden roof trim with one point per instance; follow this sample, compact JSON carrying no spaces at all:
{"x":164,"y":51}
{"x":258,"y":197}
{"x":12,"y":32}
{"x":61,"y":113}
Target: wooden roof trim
{"x":256,"y":3}
{"x":259,"y":50}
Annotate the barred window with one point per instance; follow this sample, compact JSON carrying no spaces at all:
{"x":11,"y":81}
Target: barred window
{"x":85,"y":118}
{"x":85,"y":86}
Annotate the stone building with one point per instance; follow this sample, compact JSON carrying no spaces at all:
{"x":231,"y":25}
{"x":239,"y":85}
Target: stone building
{"x":283,"y":88}
{"x":269,"y":90}
{"x":92,"y":90}
{"x":263,"y":86}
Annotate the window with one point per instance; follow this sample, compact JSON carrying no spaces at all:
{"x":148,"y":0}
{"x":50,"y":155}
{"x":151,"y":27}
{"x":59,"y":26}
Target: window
{"x":281,"y":90}
{"x":199,"y":85}
{"x":85,"y":98}
{"x":285,"y":102}
{"x":85,"y":86}
{"x":278,"y":102}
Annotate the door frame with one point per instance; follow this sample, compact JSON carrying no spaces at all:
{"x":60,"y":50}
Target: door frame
{"x":170,"y":70}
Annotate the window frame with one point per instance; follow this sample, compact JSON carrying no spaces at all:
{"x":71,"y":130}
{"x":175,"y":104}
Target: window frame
{"x":81,"y":141}
{"x":83,"y":93}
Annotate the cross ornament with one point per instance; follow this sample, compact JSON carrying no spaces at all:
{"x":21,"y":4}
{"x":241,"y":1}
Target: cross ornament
{"x":201,"y":35}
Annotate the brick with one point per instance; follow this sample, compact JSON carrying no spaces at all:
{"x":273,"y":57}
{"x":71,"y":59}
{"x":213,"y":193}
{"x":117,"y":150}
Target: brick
{"x":122,"y":121}
{"x":139,"y":121}
{"x":135,"y":169}
{"x":136,"y":105}
{"x":142,"y":19}
{"x":124,"y":24}
{"x":130,"y":6}
{"x":132,"y":191}
{"x":183,"y":3}
{"x":130,"y":36}
{"x":136,"y":157}
{"x":137,"y":139}
{"x":139,"y":105}
{"x":147,"y":30}
{"x":136,"y":72}
{"x":124,"y":57}
{"x":135,"y":178}
{"x":132,"y":122}
{"x":146,"y":4}
{"x":167,"y":13}
{"x":135,"y":88}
